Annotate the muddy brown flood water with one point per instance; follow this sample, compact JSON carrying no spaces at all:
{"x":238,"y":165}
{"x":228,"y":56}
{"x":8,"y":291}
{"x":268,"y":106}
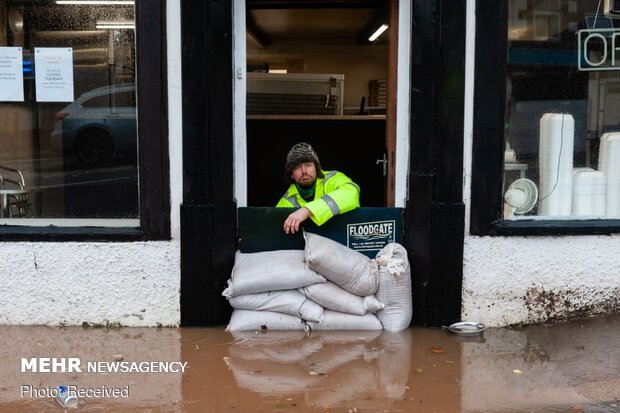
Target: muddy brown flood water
{"x":562,"y":367}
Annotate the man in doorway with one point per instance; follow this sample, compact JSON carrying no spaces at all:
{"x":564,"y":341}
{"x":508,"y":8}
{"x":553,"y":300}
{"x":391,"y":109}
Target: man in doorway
{"x":318,"y":194}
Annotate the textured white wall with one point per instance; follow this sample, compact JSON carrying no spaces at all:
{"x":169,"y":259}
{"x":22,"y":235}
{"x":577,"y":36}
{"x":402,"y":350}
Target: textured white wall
{"x":70,"y":283}
{"x":512,"y":280}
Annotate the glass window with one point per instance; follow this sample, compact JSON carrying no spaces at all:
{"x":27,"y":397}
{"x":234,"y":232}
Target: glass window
{"x":68,"y":111}
{"x":562,"y":132}
{"x":112,"y":100}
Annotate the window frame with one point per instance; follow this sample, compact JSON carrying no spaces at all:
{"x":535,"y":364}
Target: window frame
{"x":153,"y":160}
{"x":491,"y":51}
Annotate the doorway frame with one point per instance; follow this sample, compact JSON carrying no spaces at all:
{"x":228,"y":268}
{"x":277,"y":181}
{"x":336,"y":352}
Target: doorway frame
{"x":401,"y":159}
{"x":434,"y":212}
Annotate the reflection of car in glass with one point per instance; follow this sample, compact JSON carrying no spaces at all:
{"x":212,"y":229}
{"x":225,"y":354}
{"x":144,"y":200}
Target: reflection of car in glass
{"x":100,"y":123}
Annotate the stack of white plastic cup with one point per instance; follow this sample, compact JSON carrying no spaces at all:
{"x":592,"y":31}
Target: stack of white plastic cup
{"x":588,"y":192}
{"x":609,"y":164}
{"x":557,"y":135}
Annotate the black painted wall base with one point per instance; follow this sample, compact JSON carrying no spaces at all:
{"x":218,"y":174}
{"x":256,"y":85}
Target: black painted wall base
{"x":208,"y":246}
{"x":208,"y":213}
{"x":435,"y":250}
{"x":446,"y":281}
{"x":434,"y":218}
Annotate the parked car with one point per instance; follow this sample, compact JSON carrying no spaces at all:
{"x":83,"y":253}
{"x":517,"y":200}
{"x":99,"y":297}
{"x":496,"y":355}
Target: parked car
{"x":99,"y":124}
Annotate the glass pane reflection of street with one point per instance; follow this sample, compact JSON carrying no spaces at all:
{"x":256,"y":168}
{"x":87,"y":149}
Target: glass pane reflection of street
{"x":560,"y":367}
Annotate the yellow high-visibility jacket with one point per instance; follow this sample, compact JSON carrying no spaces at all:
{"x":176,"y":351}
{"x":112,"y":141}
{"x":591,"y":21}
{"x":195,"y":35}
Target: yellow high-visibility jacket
{"x":335,"y":194}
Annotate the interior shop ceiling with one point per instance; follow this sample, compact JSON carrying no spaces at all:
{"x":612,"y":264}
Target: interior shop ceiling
{"x":269,"y":22}
{"x":46,"y":16}
{"x":273,"y":22}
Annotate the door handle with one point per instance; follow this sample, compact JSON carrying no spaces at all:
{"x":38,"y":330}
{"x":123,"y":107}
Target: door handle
{"x":384,"y":161}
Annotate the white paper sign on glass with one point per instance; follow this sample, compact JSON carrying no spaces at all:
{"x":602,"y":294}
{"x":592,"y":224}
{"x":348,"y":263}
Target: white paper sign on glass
{"x":11,"y":74}
{"x":53,"y":71}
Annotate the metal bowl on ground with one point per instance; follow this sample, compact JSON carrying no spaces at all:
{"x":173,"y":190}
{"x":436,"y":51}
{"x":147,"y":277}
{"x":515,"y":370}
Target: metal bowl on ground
{"x":467,"y":328}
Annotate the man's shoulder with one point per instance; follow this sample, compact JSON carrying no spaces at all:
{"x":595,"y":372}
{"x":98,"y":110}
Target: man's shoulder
{"x":334,"y":174}
{"x":289,"y":198}
{"x":290,"y":191}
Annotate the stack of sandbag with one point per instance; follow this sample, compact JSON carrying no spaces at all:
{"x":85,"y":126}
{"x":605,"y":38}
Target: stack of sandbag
{"x":326,"y":286}
{"x":348,"y":294}
{"x":263,"y":290}
{"x":394,"y":287}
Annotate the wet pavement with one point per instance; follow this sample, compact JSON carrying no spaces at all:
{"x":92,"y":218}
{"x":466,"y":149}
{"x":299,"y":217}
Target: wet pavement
{"x":561,"y":367}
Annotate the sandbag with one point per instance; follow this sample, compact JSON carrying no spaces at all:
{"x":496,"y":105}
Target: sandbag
{"x":394,"y":287}
{"x":333,"y":320}
{"x":290,"y":302}
{"x":244,"y":320}
{"x":346,"y":268}
{"x":332,"y":297}
{"x":260,"y":272}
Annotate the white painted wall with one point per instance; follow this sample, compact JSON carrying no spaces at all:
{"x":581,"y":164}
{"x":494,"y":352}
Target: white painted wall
{"x":239,"y":105}
{"x":512,"y":280}
{"x":403,"y":107}
{"x":175,"y":113}
{"x":468,"y":113}
{"x":127,"y":283}
{"x":70,"y":283}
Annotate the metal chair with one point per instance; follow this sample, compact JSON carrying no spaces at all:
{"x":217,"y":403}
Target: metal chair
{"x":14,"y":199}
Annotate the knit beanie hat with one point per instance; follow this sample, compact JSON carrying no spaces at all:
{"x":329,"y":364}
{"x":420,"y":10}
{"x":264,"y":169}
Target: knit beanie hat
{"x":300,"y":153}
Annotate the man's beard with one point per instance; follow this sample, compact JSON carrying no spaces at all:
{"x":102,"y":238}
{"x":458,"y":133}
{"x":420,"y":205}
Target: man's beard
{"x":306,"y":185}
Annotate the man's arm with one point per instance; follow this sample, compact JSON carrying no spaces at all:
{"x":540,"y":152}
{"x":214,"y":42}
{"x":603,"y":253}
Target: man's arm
{"x":294,"y":220}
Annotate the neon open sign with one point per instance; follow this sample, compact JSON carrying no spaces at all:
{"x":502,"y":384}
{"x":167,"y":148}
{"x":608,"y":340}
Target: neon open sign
{"x":598,"y":49}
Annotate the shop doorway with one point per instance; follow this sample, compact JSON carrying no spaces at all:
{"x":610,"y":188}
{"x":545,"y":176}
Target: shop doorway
{"x":307,"y":71}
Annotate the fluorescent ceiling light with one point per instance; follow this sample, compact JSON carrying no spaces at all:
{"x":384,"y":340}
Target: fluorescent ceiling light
{"x":378,"y":33}
{"x":115,"y":25}
{"x":95,"y":2}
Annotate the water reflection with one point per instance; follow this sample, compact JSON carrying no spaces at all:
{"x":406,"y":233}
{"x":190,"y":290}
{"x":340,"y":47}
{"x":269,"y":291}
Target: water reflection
{"x":560,"y":367}
{"x":328,"y":368}
{"x":556,"y":368}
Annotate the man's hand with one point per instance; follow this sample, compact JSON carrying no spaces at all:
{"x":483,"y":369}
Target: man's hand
{"x":292,"y":222}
